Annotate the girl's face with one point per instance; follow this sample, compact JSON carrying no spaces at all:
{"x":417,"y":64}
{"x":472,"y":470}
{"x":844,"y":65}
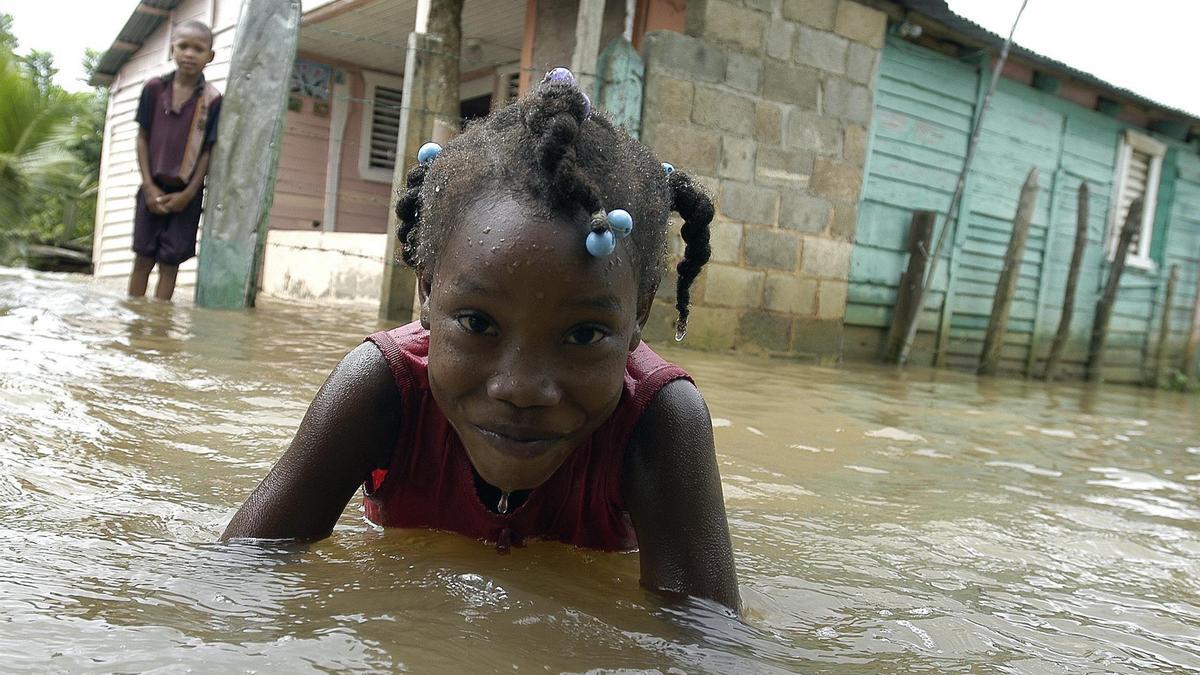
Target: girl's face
{"x":528,"y":338}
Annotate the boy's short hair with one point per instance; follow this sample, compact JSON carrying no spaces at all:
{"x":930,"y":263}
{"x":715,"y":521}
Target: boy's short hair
{"x":196,"y":25}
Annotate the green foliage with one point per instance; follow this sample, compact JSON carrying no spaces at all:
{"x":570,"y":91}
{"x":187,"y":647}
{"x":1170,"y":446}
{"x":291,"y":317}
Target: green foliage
{"x":50,"y":144}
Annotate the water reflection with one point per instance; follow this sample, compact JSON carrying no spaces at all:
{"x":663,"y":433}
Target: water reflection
{"x":883,"y":520}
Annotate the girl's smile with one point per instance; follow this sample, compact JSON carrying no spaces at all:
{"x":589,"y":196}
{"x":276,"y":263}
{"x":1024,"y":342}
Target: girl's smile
{"x":529,"y":337}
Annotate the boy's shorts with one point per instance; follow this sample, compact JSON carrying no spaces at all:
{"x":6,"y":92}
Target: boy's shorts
{"x":169,"y":238}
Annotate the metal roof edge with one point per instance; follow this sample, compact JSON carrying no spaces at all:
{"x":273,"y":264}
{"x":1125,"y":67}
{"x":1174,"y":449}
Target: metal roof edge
{"x":141,"y":24}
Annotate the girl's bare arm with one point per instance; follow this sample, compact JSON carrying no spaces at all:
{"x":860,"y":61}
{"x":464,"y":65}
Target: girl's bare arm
{"x":349,"y":429}
{"x":672,"y":489}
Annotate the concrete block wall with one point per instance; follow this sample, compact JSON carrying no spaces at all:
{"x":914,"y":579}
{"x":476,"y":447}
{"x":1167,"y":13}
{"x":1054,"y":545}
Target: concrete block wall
{"x":768,"y":104}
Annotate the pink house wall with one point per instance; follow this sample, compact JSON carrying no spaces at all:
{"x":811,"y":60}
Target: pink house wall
{"x":300,"y":183}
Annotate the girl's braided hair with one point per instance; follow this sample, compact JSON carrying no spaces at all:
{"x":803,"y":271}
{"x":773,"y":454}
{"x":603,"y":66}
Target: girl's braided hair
{"x":547,"y":152}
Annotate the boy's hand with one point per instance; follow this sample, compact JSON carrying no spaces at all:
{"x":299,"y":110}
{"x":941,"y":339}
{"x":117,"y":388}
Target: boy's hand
{"x":154,"y":197}
{"x":176,"y":201}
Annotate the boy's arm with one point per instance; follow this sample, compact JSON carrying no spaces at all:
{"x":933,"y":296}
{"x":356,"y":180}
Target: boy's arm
{"x":151,"y":193}
{"x":672,"y":488}
{"x":349,"y":430}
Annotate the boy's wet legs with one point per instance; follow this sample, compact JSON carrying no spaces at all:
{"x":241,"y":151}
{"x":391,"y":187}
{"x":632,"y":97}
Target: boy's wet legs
{"x":140,"y":276}
{"x":166,"y":281}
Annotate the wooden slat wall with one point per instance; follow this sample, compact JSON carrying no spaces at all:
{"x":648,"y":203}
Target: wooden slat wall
{"x":925,"y":104}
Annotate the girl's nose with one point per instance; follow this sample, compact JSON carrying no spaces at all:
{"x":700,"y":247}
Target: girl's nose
{"x":525,"y":385}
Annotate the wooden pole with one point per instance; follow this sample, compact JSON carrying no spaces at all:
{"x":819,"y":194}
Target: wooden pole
{"x":430,"y":112}
{"x":1104,"y":306}
{"x":993,"y":340}
{"x":241,"y":181}
{"x":1164,"y":328}
{"x":952,"y":211}
{"x":1068,"y":308}
{"x":588,"y":23}
{"x":920,"y":236}
{"x":1192,"y":350}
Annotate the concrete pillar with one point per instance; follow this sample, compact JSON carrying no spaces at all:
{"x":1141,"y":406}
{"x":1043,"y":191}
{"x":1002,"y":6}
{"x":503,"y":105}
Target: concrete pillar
{"x":430,"y":112}
{"x":241,"y":182}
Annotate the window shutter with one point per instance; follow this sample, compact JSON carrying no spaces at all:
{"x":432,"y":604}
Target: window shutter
{"x":385,"y":128}
{"x":1136,"y":176}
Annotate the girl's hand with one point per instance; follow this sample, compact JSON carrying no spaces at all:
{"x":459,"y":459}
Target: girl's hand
{"x":154,"y":196}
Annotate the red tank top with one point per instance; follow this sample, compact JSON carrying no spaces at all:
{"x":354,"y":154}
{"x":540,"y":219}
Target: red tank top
{"x":429,"y":482}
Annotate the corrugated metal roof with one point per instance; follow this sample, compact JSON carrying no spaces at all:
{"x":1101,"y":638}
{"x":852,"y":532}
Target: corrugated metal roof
{"x":142,"y":23}
{"x":939,"y":11}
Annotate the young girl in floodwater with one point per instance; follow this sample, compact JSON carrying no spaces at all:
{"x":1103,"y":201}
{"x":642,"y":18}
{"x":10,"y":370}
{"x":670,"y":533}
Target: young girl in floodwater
{"x":524,"y":404}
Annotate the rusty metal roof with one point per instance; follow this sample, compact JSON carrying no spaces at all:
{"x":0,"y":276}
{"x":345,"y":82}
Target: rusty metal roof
{"x":978,"y":36}
{"x":145,"y":19}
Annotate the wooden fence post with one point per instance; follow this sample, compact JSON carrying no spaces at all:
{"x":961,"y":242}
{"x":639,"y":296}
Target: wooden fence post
{"x":993,"y":340}
{"x":920,"y":236}
{"x":1164,"y":327}
{"x":1192,"y":349}
{"x":1068,"y":308}
{"x":1104,"y":306}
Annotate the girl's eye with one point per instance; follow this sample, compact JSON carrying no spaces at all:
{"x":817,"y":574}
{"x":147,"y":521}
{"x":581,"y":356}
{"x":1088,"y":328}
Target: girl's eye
{"x":586,"y":335}
{"x":474,"y":323}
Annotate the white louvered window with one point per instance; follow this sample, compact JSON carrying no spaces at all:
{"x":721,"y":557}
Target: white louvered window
{"x":380,"y":126}
{"x":1139,"y":164}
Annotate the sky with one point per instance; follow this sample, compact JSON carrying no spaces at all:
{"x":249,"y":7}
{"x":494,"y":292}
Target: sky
{"x":1143,"y":46}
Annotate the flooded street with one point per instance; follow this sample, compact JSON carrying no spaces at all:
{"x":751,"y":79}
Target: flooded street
{"x":881,"y":521}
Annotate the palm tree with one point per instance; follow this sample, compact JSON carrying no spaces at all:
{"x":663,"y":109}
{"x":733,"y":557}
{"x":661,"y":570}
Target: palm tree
{"x":35,"y":129}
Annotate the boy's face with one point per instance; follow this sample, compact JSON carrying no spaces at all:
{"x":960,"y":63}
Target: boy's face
{"x":191,"y":51}
{"x":529,"y":336}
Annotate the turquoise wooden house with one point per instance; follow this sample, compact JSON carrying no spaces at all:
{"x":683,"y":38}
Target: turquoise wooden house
{"x":933,"y":74}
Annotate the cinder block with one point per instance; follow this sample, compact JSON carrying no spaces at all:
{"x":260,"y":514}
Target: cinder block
{"x":816,"y":13}
{"x":712,"y":328}
{"x":668,"y":99}
{"x":737,"y":159}
{"x":691,"y":149}
{"x":781,"y":38}
{"x":727,"y":286}
{"x":684,"y":56}
{"x":785,"y":168}
{"x":744,"y":72}
{"x":826,"y":258}
{"x":738,"y":27}
{"x":804,"y":212}
{"x":842,"y":98}
{"x":835,"y":181}
{"x":769,"y":248}
{"x":791,"y":295}
{"x":861,"y":61}
{"x":860,"y":23}
{"x":725,"y":239}
{"x":831,"y":300}
{"x":854,"y":149}
{"x":845,"y":220}
{"x":748,"y":203}
{"x":810,"y":131}
{"x":723,"y":110}
{"x":760,"y":331}
{"x":786,"y":83}
{"x":768,"y":123}
{"x":816,"y":337}
{"x":821,"y":49}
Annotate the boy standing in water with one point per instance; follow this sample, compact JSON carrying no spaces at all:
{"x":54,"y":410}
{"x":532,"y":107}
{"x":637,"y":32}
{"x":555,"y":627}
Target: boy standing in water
{"x":177,"y":126}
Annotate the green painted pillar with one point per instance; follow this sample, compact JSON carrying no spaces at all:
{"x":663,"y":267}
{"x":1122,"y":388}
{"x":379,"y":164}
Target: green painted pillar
{"x":241,"y":181}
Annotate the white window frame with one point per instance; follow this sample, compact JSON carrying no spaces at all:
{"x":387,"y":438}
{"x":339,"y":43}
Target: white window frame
{"x":371,"y":80}
{"x":1132,"y":140}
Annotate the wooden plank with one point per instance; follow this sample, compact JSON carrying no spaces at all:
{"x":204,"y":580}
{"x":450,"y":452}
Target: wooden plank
{"x":920,"y":238}
{"x":1104,"y":308}
{"x":1192,"y":348}
{"x":1068,"y":306}
{"x":1164,"y":328}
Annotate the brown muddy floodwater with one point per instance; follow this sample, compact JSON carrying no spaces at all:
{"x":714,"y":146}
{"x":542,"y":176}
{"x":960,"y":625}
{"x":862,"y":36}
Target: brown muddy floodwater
{"x":881,"y":521}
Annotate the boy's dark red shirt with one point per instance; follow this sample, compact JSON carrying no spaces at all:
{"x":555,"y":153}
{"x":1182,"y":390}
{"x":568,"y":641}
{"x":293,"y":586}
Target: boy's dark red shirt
{"x":168,"y":129}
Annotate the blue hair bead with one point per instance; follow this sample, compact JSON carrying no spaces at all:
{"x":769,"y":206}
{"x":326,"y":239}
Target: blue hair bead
{"x":428,"y":152}
{"x":561,"y":75}
{"x":587,"y":105}
{"x":601,"y":244}
{"x":621,"y":222}
{"x":668,"y":168}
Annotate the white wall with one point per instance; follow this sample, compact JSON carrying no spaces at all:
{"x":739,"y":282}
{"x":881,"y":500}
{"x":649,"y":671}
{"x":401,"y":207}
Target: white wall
{"x":324,"y":266}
